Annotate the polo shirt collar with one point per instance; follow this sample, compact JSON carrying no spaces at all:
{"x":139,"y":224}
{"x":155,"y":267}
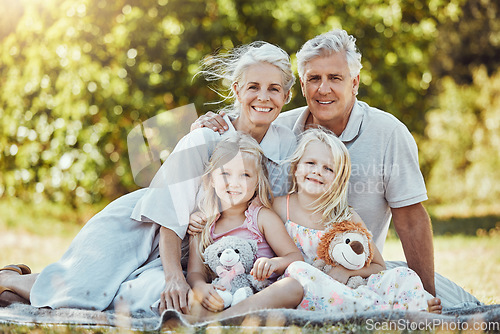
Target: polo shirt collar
{"x":300,"y":123}
{"x":353,"y":127}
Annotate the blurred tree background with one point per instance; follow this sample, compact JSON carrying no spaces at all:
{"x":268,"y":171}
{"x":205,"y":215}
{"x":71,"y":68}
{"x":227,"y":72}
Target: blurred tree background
{"x":77,"y":75}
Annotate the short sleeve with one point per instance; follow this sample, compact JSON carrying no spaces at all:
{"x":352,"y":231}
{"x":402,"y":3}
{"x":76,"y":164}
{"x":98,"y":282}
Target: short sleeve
{"x":403,"y":180}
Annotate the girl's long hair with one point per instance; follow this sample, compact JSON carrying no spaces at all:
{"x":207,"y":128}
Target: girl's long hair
{"x":333,"y":203}
{"x":224,"y":152}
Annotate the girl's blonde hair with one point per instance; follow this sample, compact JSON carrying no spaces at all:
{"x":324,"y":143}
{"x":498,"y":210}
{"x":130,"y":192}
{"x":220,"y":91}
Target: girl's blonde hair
{"x":224,"y":152}
{"x":230,"y":68}
{"x":333,"y":203}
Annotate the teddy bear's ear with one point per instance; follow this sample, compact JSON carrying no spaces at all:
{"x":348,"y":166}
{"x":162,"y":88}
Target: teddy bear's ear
{"x":253,"y":244}
{"x":323,"y":249}
{"x":205,"y":252}
{"x":208,"y":250}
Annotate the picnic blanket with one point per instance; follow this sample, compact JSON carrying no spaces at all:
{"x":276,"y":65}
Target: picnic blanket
{"x":484,"y":317}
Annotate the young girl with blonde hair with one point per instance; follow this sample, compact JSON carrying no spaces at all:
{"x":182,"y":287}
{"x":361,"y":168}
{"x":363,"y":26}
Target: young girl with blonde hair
{"x":320,"y":171}
{"x":234,"y":177}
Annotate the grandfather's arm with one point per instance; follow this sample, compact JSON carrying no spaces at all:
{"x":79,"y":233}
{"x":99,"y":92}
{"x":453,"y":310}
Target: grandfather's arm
{"x":413,"y":226}
{"x":176,"y":290}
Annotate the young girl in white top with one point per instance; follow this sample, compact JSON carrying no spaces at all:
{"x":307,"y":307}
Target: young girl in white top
{"x":320,"y":170}
{"x":235,"y":175}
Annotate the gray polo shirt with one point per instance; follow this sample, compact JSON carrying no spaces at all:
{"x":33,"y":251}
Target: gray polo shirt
{"x":385,"y":168}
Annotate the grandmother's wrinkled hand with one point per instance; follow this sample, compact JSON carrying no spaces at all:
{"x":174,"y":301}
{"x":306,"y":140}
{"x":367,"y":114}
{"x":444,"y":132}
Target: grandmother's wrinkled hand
{"x":175,"y":296}
{"x":212,"y":121}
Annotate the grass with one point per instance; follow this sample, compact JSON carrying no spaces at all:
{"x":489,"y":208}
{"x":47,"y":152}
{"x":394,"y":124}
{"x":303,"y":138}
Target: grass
{"x":38,"y":234}
{"x":473,"y":262}
{"x":467,"y":250}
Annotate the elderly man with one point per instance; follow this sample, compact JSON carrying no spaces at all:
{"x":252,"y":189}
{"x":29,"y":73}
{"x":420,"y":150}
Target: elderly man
{"x":386,"y":178}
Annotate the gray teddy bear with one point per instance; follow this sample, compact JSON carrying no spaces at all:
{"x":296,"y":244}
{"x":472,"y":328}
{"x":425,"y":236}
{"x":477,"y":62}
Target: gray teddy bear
{"x":232,"y":258}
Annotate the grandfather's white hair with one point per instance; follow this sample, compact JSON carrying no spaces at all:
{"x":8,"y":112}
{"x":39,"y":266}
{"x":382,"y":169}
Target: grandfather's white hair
{"x":324,"y":45}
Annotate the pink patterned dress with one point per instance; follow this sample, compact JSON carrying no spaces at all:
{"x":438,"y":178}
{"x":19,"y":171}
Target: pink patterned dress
{"x":395,"y":289}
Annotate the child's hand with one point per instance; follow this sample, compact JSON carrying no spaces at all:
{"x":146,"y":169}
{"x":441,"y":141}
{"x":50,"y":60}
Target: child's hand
{"x":207,"y":296}
{"x":340,"y":274}
{"x":263,"y":268}
{"x":197,"y":222}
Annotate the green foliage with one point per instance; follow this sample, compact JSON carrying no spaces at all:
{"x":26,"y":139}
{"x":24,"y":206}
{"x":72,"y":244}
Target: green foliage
{"x":461,"y":146}
{"x":77,"y":76}
{"x":469,"y":39}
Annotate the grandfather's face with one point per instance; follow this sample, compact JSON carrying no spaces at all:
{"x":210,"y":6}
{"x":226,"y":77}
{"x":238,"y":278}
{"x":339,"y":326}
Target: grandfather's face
{"x":329,"y":90}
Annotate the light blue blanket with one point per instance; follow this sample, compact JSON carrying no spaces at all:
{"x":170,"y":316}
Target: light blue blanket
{"x":485,"y":317}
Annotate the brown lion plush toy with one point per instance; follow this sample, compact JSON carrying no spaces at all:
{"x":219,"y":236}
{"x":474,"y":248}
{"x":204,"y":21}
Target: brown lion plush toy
{"x":346,"y":244}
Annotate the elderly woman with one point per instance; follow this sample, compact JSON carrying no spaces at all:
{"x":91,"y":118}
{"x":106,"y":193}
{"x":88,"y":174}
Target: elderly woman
{"x":128,"y":256}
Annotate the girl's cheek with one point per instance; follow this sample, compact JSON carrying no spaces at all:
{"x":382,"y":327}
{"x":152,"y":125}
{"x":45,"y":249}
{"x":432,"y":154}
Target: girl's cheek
{"x":302,"y":169}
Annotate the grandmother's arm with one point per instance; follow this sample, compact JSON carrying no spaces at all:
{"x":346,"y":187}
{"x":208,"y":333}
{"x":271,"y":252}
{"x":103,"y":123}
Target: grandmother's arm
{"x":176,"y":287}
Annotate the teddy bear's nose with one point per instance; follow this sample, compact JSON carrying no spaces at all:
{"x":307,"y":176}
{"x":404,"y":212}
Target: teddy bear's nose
{"x":357,"y":247}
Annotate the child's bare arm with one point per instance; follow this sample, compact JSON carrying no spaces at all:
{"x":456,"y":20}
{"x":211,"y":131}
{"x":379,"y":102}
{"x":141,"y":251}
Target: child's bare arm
{"x":203,"y":292}
{"x":279,"y":206}
{"x":195,"y":270}
{"x":378,"y":262}
{"x":278,"y":239}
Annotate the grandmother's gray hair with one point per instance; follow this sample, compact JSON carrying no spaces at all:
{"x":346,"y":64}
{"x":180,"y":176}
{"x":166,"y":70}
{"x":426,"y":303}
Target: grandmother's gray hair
{"x":324,"y":45}
{"x":229,"y":68}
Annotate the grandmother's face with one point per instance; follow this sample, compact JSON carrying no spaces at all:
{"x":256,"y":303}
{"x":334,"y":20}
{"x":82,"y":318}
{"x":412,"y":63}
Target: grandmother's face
{"x":261,"y":94}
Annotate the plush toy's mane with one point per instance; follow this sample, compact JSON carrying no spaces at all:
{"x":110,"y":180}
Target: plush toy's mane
{"x":339,"y":228}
